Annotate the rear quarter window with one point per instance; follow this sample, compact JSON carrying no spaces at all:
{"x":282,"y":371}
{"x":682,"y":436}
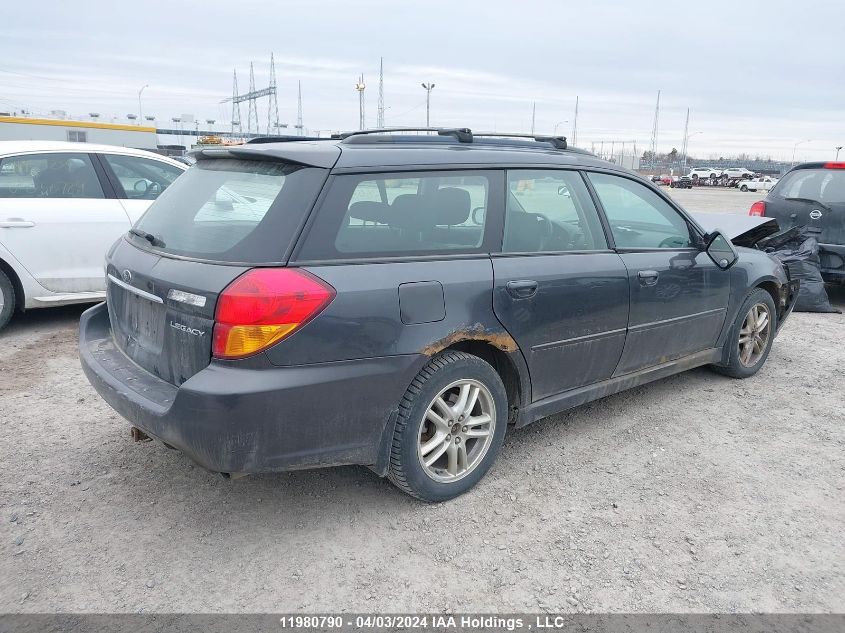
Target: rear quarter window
{"x":823,"y":185}
{"x":227,"y":210}
{"x":403,"y":214}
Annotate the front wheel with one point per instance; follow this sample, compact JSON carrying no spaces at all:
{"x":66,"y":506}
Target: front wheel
{"x":751,"y":336}
{"x":743,"y":188}
{"x":450,"y":427}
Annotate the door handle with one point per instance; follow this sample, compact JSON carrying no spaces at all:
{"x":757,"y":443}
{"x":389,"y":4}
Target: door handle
{"x":16,"y":223}
{"x":522,"y":289}
{"x":648,"y":277}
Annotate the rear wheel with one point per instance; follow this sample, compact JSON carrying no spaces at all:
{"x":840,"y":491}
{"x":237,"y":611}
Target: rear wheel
{"x":751,"y":336}
{"x":450,"y":428}
{"x":7,"y":299}
{"x":744,"y":188}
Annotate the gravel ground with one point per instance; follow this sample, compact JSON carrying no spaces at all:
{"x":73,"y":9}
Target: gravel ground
{"x":694,"y":493}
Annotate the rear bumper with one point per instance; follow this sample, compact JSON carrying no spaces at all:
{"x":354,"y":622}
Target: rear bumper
{"x":237,"y":420}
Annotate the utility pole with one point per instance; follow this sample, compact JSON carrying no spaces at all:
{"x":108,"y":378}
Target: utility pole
{"x":140,"y":114}
{"x":686,"y":140}
{"x":298,"y":126}
{"x":533,"y":114}
{"x":360,"y":87}
{"x":575,"y":124}
{"x":654,"y":129}
{"x":380,"y":114}
{"x":236,"y":106}
{"x":428,"y":88}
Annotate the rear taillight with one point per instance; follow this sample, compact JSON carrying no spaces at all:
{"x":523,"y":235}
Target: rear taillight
{"x":758,"y":208}
{"x":834,"y":165}
{"x":263,"y":306}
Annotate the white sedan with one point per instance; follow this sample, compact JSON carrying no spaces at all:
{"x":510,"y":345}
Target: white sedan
{"x":62,"y":205}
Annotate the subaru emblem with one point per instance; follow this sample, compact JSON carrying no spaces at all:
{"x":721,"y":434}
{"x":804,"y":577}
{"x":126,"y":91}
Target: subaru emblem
{"x":126,"y":276}
{"x":815,"y":214}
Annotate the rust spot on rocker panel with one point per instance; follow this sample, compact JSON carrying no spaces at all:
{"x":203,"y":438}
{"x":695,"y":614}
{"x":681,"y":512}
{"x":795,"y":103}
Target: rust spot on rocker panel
{"x":477,"y":332}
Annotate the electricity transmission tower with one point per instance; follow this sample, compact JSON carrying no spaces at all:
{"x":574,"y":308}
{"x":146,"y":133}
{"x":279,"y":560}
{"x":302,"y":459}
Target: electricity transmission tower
{"x":252,"y":97}
{"x":273,"y":124}
{"x":653,"y":145}
{"x":236,"y":106}
{"x":380,"y":115}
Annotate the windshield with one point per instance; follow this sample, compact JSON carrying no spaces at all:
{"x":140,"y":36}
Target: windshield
{"x":231,"y":211}
{"x":822,"y":185}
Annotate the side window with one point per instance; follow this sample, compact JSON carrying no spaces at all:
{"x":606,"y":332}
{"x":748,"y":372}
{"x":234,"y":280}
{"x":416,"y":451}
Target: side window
{"x":550,"y":210}
{"x":401,"y":214}
{"x":142,"y":178}
{"x":638,"y":217}
{"x":64,"y":175}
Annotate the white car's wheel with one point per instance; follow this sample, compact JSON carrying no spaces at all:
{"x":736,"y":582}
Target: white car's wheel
{"x":7,"y":299}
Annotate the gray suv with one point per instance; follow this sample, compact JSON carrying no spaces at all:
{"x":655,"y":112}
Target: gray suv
{"x":399,"y":300}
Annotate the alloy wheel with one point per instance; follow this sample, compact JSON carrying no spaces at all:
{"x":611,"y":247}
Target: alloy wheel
{"x":754,"y":334}
{"x":457,"y":431}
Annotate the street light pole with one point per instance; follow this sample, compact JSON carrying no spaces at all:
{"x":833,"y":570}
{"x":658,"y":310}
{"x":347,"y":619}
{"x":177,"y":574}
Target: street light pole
{"x":428,"y":88}
{"x":686,"y":147}
{"x":140,"y":114}
{"x":794,"y":147}
{"x":556,"y":126}
{"x":837,"y":152}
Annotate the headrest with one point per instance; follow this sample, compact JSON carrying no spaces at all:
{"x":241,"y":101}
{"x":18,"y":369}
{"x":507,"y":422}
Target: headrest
{"x":370,"y":211}
{"x":406,"y":212}
{"x":451,"y":206}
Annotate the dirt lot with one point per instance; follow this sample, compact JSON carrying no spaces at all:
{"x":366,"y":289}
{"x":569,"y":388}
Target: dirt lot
{"x":695,"y":493}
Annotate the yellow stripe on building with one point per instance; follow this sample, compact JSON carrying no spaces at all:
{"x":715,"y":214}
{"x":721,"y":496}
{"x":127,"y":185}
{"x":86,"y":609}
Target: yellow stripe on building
{"x":85,"y":124}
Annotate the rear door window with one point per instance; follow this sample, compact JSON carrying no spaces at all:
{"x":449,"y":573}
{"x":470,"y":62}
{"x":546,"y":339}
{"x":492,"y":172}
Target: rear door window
{"x":228,"y":210}
{"x":65,"y":175}
{"x":142,"y":178}
{"x":402,"y":214}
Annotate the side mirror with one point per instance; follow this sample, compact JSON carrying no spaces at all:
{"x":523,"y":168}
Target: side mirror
{"x":141,"y":186}
{"x":720,"y":250}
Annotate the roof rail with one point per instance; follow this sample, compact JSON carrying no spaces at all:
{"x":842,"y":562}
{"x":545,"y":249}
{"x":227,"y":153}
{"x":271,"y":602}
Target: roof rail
{"x":463,"y":135}
{"x":282,"y":139}
{"x":559,"y":142}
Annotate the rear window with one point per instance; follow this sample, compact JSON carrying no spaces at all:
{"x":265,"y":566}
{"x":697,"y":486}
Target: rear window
{"x":401,"y":214}
{"x":232,"y":211}
{"x":822,"y":185}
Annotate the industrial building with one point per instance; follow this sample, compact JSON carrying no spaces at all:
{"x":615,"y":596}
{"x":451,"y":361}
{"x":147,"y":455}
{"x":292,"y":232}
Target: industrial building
{"x":14,"y":128}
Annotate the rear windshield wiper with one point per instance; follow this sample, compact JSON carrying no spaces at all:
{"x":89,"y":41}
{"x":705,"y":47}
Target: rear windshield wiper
{"x":152,"y":239}
{"x":811,"y":201}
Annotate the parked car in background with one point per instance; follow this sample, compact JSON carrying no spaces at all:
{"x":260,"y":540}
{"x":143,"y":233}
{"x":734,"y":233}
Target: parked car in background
{"x":736,"y":172}
{"x":384,"y":300}
{"x":812,"y":195}
{"x":62,"y":205}
{"x":681,"y":182}
{"x":764,"y":183}
{"x":704,"y":173}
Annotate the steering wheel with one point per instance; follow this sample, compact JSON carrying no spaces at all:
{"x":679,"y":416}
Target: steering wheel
{"x":548,"y":229}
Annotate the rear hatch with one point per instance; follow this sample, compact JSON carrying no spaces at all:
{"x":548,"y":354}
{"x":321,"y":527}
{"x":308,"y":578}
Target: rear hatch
{"x":215,"y":222}
{"x":811,"y":195}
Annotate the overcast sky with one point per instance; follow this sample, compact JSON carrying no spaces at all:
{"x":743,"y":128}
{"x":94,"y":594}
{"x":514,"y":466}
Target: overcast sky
{"x":757,"y":76}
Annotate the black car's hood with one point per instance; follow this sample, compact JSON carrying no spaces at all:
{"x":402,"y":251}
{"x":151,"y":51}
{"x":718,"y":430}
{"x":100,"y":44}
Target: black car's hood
{"x":742,"y":230}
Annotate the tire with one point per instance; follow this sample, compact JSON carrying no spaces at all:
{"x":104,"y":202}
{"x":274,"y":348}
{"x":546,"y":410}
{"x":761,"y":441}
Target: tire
{"x":7,"y":299}
{"x":738,"y":366}
{"x":444,"y":378}
{"x":744,"y":188}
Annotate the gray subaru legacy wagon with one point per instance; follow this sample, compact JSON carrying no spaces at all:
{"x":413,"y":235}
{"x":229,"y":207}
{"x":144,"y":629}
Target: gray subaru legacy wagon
{"x":398,"y":300}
